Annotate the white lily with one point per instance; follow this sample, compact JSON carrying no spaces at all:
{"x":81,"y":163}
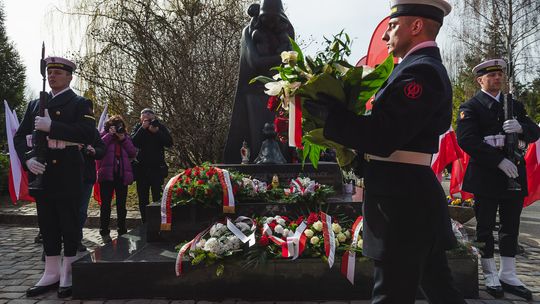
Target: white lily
{"x":274,"y":88}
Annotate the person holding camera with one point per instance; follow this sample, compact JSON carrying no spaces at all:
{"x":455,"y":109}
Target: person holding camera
{"x":91,"y":153}
{"x":151,"y":137}
{"x":115,"y":174}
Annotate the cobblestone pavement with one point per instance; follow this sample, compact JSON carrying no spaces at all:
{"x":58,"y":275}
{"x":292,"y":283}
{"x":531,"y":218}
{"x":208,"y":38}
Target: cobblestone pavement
{"x":21,"y":267}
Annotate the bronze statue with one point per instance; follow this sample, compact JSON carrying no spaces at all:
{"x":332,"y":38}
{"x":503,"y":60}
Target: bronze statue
{"x":262,"y":42}
{"x":270,"y":152}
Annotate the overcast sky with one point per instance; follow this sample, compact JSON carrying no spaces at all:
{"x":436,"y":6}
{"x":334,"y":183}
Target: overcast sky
{"x":29,"y":22}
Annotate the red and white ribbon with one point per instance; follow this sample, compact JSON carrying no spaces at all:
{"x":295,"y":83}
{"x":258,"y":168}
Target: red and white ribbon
{"x":291,"y":246}
{"x":228,"y":194}
{"x":348,"y":262}
{"x":166,"y":212}
{"x":190,"y":245}
{"x":295,"y":245}
{"x":295,"y":121}
{"x":239,"y":234}
{"x":329,"y":238}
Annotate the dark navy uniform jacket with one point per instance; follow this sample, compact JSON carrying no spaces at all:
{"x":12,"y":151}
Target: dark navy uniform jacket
{"x":405,"y":204}
{"x":73,"y":121}
{"x":482,"y":116}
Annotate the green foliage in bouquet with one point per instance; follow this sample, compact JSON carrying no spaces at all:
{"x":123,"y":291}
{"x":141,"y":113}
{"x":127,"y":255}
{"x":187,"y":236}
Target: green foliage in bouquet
{"x":331,"y":75}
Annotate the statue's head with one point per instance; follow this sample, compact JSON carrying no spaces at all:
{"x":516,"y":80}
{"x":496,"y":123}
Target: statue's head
{"x":272,"y":13}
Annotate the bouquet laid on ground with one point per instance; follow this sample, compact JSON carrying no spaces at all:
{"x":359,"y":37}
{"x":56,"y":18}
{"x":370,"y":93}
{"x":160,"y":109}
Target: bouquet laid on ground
{"x":459,"y":202}
{"x":307,"y":191}
{"x":219,"y":241}
{"x":300,"y":78}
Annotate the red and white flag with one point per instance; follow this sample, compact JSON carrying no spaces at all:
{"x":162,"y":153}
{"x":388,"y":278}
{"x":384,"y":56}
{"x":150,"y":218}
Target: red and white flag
{"x":449,"y":151}
{"x":459,"y":166}
{"x":18,"y":180}
{"x":532,"y":164}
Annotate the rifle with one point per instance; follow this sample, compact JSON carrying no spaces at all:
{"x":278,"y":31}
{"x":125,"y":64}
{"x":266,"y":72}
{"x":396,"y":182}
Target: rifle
{"x":511,"y":141}
{"x":39,"y":138}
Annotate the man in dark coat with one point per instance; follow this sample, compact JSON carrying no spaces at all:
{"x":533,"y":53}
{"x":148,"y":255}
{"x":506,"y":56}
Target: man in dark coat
{"x":151,"y":137}
{"x":407,"y":227}
{"x":68,"y":122}
{"x":480,"y":132}
{"x":91,"y":153}
{"x":261,"y":44}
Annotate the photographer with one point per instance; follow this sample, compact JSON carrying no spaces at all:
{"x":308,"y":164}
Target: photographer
{"x":115,"y":174}
{"x":151,"y":137}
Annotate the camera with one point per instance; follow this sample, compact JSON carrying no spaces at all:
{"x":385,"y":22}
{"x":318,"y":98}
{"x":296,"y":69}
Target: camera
{"x":120,"y":128}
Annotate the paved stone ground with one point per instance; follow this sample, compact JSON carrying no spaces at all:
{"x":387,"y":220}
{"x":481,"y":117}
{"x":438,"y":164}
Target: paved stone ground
{"x":21,"y":266}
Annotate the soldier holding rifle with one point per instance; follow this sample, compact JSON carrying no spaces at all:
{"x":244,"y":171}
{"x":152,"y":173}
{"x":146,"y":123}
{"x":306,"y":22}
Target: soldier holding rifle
{"x":59,"y":122}
{"x":493,"y":129}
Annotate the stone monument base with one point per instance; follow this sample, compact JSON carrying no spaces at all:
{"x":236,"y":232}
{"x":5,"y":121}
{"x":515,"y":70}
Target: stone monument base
{"x":130,"y":267}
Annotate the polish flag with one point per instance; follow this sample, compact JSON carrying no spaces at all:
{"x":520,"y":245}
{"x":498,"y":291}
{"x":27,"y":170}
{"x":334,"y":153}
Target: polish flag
{"x":459,"y":166}
{"x":101,"y":127}
{"x":449,"y":151}
{"x":532,"y":164}
{"x":18,"y":179}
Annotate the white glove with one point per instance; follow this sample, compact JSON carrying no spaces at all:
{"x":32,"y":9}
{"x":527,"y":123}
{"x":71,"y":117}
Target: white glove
{"x":43,"y":123}
{"x":34,"y":166}
{"x":512,"y":126}
{"x":508,"y":168}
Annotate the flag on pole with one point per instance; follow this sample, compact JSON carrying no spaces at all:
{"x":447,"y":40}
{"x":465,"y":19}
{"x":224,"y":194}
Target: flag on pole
{"x":101,"y":127}
{"x":532,"y":165}
{"x":459,"y":166}
{"x":18,"y":180}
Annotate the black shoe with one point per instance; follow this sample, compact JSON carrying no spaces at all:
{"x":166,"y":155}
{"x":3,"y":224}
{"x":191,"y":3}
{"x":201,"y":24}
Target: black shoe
{"x":81,"y":247}
{"x":520,"y":291}
{"x":495,"y":291}
{"x":38,"y":290}
{"x":64,"y":292}
{"x":106,"y":238}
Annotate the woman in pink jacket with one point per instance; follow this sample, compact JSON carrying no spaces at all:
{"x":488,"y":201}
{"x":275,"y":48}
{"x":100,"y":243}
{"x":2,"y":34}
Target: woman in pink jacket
{"x":115,"y":174}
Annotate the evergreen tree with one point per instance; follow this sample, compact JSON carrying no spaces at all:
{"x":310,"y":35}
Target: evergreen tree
{"x":12,"y":73}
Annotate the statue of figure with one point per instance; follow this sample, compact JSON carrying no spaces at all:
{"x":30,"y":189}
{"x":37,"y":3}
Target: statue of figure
{"x":270,"y":152}
{"x":261,"y":45}
{"x":244,"y":153}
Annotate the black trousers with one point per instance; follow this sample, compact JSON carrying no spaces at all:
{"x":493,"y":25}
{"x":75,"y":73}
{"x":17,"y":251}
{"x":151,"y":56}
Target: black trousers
{"x":397,"y":278}
{"x":106,"y":191}
{"x":144,"y":185}
{"x":485,"y":209}
{"x":58,"y":221}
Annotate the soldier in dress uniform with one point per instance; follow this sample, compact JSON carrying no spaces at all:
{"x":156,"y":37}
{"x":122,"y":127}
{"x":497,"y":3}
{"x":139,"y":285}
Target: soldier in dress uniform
{"x":481,"y":118}
{"x":407,"y":227}
{"x":68,"y":122}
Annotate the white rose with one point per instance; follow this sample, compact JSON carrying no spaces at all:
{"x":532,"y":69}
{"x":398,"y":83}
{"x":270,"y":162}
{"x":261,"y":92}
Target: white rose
{"x":308,"y":232}
{"x":336,"y":228}
{"x":285,"y":232}
{"x":360,"y":243}
{"x":280,"y":221}
{"x":314,"y":240}
{"x":278,"y":229}
{"x":336,"y":241}
{"x":348,"y":234}
{"x":318,"y":225}
{"x":269,"y":220}
{"x":341,"y":237}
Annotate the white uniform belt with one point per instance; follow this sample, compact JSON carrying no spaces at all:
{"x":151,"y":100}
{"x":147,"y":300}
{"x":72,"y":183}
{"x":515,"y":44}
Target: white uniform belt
{"x":405,"y":157}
